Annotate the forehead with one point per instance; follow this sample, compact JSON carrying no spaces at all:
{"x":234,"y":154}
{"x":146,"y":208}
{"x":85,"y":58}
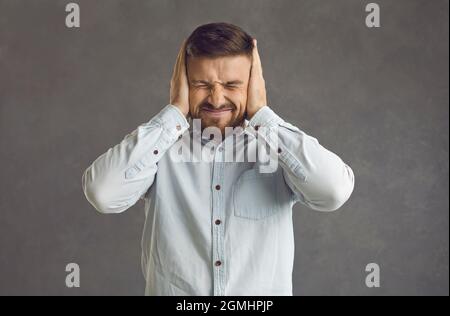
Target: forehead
{"x":219,"y":68}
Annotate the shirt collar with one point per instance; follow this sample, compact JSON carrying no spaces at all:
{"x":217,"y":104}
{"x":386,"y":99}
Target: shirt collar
{"x":204,"y":138}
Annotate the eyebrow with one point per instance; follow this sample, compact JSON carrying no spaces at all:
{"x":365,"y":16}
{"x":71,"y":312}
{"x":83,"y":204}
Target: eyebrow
{"x":226,"y":83}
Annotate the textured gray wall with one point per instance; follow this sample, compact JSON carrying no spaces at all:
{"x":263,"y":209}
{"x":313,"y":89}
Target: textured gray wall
{"x":376,"y":97}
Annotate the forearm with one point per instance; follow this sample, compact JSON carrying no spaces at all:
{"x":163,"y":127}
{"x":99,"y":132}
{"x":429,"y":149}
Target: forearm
{"x":317,"y":177}
{"x":118,"y":178}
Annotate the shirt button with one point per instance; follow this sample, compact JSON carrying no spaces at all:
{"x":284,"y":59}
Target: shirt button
{"x":179,"y":137}
{"x":217,"y":187}
{"x":178,"y":127}
{"x":279,"y":150}
{"x":155,"y":151}
{"x":218,"y":221}
{"x":220,"y":149}
{"x":218,"y":263}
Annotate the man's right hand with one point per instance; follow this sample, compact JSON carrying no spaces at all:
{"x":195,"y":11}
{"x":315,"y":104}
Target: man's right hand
{"x":179,"y":86}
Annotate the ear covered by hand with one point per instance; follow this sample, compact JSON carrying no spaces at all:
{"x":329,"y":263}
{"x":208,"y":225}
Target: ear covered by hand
{"x":179,"y":86}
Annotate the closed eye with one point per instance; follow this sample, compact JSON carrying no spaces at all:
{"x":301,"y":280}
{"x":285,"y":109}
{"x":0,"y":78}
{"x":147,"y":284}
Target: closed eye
{"x":232,"y":86}
{"x":201,"y":86}
{"x":205,"y":85}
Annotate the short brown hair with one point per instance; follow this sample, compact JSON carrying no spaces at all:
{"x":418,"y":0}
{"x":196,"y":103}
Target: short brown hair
{"x":218,"y":40}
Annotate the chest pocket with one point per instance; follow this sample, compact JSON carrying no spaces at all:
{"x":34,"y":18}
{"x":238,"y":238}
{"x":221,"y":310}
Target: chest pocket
{"x":255,"y":195}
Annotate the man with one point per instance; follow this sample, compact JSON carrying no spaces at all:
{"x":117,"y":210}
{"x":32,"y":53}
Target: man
{"x":218,"y":227}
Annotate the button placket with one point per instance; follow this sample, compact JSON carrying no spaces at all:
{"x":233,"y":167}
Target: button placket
{"x":218,"y":239}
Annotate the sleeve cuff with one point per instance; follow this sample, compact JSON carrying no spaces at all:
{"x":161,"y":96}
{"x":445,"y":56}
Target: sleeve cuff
{"x":172,"y":120}
{"x":265,"y":117}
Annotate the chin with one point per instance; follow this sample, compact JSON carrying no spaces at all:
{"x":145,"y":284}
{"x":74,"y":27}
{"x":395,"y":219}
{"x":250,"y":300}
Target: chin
{"x":216,"y":123}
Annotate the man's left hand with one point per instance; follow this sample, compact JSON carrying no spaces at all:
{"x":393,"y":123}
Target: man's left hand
{"x":256,"y":95}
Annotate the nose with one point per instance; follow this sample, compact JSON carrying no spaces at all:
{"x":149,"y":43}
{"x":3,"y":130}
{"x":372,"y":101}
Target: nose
{"x":217,"y":96}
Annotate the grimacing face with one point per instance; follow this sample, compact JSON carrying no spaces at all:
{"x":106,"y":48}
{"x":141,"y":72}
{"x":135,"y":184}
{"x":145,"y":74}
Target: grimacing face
{"x":218,"y":89}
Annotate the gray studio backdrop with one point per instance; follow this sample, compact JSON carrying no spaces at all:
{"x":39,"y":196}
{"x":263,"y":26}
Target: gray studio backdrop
{"x":378,"y":97}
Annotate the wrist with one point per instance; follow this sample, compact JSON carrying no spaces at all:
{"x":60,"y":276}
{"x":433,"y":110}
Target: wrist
{"x":251,"y":113}
{"x":183,"y":109}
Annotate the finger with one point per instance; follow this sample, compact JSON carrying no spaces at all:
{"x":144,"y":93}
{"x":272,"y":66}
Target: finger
{"x":183,"y":58}
{"x":175,"y":67}
{"x":183,"y":65}
{"x":179,"y":63}
{"x":179,"y":58}
{"x":256,"y":60}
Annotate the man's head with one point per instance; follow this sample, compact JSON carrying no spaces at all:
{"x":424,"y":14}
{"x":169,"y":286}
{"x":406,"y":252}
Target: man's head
{"x":218,"y":62}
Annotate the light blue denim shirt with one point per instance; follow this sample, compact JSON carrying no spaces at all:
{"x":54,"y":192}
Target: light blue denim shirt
{"x":217,"y":227}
